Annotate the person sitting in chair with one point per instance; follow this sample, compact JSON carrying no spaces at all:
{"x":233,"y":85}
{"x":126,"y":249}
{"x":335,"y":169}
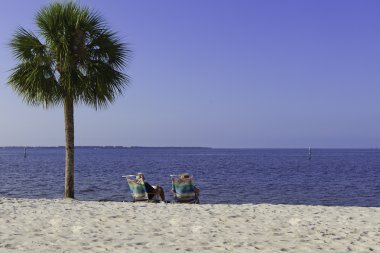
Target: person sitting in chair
{"x":151,"y":190}
{"x":187,"y":175}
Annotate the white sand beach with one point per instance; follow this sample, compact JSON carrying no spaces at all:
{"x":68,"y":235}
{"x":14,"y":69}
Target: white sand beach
{"x":60,"y":225}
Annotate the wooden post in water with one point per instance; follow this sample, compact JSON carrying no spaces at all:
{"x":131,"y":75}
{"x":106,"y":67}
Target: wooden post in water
{"x":24,"y":152}
{"x":309,"y":153}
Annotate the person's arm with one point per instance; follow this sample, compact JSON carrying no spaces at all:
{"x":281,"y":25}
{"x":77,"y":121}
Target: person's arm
{"x":196,"y":190}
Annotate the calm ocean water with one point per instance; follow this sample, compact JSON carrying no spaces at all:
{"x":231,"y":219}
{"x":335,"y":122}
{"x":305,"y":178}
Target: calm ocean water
{"x":341,"y":177}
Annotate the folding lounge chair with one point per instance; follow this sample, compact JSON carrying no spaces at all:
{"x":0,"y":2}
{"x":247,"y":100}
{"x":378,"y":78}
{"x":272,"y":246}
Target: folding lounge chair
{"x":183,"y":190}
{"x":138,"y":190}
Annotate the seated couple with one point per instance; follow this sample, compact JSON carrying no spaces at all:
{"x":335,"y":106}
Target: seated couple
{"x":158,"y":190}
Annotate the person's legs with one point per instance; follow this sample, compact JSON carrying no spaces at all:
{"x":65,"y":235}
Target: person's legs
{"x":160,"y":192}
{"x":151,"y":194}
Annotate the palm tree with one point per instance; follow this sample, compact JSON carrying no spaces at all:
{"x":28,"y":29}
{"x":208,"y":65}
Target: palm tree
{"x":73,"y":59}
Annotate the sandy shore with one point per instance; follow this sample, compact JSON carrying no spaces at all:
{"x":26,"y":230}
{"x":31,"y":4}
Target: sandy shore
{"x":77,"y":226}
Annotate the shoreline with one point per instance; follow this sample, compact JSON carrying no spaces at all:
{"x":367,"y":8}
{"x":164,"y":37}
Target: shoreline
{"x":60,"y":225}
{"x":171,"y":202}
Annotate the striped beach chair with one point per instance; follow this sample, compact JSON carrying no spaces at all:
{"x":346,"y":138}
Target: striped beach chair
{"x":137,"y":188}
{"x":183,"y":189}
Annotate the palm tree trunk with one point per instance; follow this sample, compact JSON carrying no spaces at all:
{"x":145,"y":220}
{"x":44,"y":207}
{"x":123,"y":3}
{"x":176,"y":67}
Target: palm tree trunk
{"x":69,"y":134}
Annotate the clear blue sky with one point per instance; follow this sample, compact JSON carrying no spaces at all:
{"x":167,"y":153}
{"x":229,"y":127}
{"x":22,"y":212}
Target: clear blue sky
{"x":212,"y":73}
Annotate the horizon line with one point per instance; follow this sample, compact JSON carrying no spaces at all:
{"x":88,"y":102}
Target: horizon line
{"x":178,"y":147}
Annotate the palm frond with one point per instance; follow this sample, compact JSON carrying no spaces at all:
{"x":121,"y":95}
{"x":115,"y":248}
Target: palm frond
{"x":26,"y":46}
{"x":36,"y":84}
{"x":108,"y":48}
{"x":101,"y":84}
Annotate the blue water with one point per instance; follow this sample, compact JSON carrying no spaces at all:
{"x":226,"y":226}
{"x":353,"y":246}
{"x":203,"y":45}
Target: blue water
{"x":344,"y":177}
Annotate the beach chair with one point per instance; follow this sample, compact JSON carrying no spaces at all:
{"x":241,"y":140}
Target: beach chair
{"x":138,"y":190}
{"x":183,"y":189}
